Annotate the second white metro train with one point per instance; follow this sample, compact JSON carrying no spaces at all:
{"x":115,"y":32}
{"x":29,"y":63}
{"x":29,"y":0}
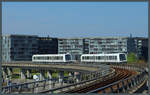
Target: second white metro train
{"x":108,"y":58}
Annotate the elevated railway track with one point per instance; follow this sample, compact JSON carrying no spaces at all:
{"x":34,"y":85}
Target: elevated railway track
{"x":53,"y":66}
{"x":119,"y":75}
{"x":125,"y":78}
{"x":122,"y":78}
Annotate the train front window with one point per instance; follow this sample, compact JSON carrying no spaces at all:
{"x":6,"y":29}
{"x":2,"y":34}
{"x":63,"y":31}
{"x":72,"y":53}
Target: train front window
{"x":68,"y":57}
{"x":122,"y":57}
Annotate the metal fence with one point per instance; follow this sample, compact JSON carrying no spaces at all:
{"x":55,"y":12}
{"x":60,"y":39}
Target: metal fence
{"x":131,"y":82}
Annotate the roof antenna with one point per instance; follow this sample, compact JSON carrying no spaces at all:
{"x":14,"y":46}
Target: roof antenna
{"x":130,"y":35}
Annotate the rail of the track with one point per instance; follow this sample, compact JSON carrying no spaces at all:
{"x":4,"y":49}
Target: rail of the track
{"x":119,"y":74}
{"x":126,"y":76}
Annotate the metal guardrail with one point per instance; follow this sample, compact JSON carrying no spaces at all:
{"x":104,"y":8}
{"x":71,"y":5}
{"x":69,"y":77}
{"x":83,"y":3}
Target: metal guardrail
{"x":21,"y":85}
{"x":32,"y":84}
{"x":81,"y":83}
{"x":134,"y":81}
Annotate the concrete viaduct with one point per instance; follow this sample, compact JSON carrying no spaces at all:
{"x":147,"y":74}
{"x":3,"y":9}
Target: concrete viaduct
{"x":26,"y":67}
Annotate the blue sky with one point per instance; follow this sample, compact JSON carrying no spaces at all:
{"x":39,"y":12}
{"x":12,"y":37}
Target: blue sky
{"x":75,"y":19}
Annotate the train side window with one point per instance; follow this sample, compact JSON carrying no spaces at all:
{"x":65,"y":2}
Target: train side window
{"x":93,"y":57}
{"x":55,"y":58}
{"x":115,"y":57}
{"x":52,"y":57}
{"x":87,"y":57}
{"x":61,"y":57}
{"x":47,"y":58}
{"x":102,"y":58}
{"x":99,"y":57}
{"x":107,"y":57}
{"x":111,"y":58}
{"x":96,"y":57}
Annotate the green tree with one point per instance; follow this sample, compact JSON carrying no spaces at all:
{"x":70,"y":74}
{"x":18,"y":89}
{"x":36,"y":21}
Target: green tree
{"x":131,"y":58}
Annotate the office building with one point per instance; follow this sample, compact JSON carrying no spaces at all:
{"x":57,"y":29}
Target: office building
{"x":105,"y":45}
{"x":47,"y":45}
{"x":73,"y":46}
{"x":141,"y":47}
{"x":18,"y":47}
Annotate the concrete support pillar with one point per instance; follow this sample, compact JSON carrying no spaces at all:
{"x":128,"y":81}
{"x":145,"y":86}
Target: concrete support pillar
{"x":90,"y":76}
{"x":71,"y":77}
{"x":123,"y":86}
{"x":71,"y":74}
{"x":42,"y":74}
{"x":49,"y":73}
{"x":128,"y":84}
{"x":23,"y":74}
{"x":118,"y":87}
{"x":61,"y":77}
{"x":77,"y":76}
{"x":82,"y":77}
{"x":28,"y":73}
{"x":4,"y":73}
{"x":9,"y":71}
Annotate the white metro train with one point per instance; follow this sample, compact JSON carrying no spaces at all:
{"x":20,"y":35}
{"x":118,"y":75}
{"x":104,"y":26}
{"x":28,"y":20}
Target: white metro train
{"x":104,"y":58}
{"x":51,"y":58}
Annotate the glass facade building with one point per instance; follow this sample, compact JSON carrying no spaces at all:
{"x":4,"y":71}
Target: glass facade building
{"x":47,"y":45}
{"x":141,"y":47}
{"x":18,"y":47}
{"x":73,"y":46}
{"x":105,"y":45}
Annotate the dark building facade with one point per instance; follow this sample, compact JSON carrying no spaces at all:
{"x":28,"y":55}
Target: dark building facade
{"x":131,"y":45}
{"x":18,"y":47}
{"x":47,"y":45}
{"x":142,"y":47}
{"x":139,"y":46}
